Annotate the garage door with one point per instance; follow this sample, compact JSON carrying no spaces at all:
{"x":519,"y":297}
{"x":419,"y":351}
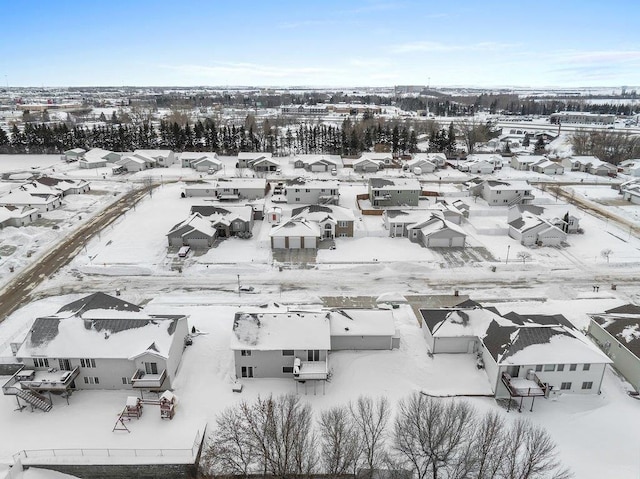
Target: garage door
{"x":437,"y":242}
{"x":309,"y":242}
{"x":278,"y":243}
{"x":295,"y":242}
{"x":318,"y":168}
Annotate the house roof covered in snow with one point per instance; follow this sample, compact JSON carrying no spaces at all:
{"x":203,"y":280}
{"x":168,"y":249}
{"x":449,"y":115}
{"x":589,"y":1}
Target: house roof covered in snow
{"x":99,"y":326}
{"x":296,"y":227}
{"x":320,"y":213}
{"x":624,"y":326}
{"x":268,"y":331}
{"x":362,"y":322}
{"x":194,"y":223}
{"x":395,"y":183}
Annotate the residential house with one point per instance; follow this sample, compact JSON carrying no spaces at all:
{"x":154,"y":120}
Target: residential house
{"x":530,"y":229}
{"x":436,"y":232}
{"x":98,"y":342}
{"x":136,"y":162}
{"x":523,"y":355}
{"x":385,"y":192}
{"x":66,"y":186}
{"x":333,"y":221}
{"x":547,"y":167}
{"x":589,"y":164}
{"x":74,"y":154}
{"x":42,"y":201}
{"x":617,"y":334}
{"x":257,"y":161}
{"x":503,"y":193}
{"x":481,"y":163}
{"x":295,"y":234}
{"x":312,"y":192}
{"x":422,"y":163}
{"x":318,"y":163}
{"x":195,"y":232}
{"x":227,"y":221}
{"x":17,"y":215}
{"x":98,"y":158}
{"x":631,"y":193}
{"x":228,"y":189}
{"x":630,"y":167}
{"x":297,"y":344}
{"x":162,"y":158}
{"x":364,"y":164}
{"x":202,"y":162}
{"x":525,"y":162}
{"x":281,"y":344}
{"x":450,"y":211}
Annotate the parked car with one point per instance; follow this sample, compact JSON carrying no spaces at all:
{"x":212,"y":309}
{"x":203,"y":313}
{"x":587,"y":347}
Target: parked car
{"x":183,"y":251}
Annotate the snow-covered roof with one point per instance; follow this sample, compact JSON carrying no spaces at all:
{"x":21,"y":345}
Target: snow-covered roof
{"x":25,"y":198}
{"x":318,"y":213}
{"x":96,"y":155}
{"x":153,"y":153}
{"x":318,"y":159}
{"x":269,"y":331}
{"x":507,"y":186}
{"x":376,"y":156}
{"x":362,"y":322}
{"x":437,"y":223}
{"x":296,"y":227}
{"x":99,"y":326}
{"x":248,"y":155}
{"x":530,"y":159}
{"x":10,"y":212}
{"x":395,"y":183}
{"x":228,"y":214}
{"x":624,"y":327}
{"x":313,"y":184}
{"x":447,"y":322}
{"x":240,"y":183}
{"x":194,"y":223}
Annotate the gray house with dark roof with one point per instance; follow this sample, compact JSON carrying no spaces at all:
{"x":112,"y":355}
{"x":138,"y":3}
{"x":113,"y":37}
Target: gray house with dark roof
{"x":385,"y":192}
{"x":524,"y":355}
{"x":97,"y":342}
{"x":617,"y":334}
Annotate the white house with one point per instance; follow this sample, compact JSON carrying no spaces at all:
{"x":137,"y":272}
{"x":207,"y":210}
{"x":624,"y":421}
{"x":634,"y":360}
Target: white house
{"x":525,"y":162}
{"x":312,"y":192}
{"x":422,"y":164}
{"x":333,"y":221}
{"x":162,"y":158}
{"x":364,"y":164}
{"x":547,"y":167}
{"x":202,"y":162}
{"x":65,"y":186}
{"x":589,"y":164}
{"x":503,"y":193}
{"x":531,"y":230}
{"x":98,"y":342}
{"x":257,"y":161}
{"x":136,"y":162}
{"x":630,"y":167}
{"x":74,"y":154}
{"x":101,"y":154}
{"x":17,"y":215}
{"x":481,"y":163}
{"x":295,"y":234}
{"x":228,"y":189}
{"x":43,"y":202}
{"x":317,"y":163}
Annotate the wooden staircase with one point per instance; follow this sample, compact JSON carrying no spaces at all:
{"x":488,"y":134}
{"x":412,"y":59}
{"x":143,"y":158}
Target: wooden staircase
{"x":34,"y":398}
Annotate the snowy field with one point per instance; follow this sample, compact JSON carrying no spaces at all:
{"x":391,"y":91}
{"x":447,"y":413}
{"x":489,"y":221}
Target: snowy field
{"x":593,"y":432}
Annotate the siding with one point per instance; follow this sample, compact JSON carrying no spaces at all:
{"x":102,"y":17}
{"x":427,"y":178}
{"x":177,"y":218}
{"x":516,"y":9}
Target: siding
{"x":269,"y":364}
{"x":627,"y":363}
{"x":339,"y":343}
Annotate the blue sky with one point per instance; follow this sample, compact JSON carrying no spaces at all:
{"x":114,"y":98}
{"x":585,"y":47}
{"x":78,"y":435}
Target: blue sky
{"x":562,"y":43}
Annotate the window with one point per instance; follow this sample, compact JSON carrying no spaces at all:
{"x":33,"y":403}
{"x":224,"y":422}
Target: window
{"x":572,"y":367}
{"x":586,"y":367}
{"x":549,"y":367}
{"x":41,"y":362}
{"x":65,"y":364}
{"x":539,"y":368}
{"x":342,"y":224}
{"x":587,"y":385}
{"x":565,"y":386}
{"x":151,"y":368}
{"x":245,"y":352}
{"x":287,"y":352}
{"x":126,"y":380}
{"x":91,"y":380}
{"x":247,"y":371}
{"x":560,"y":367}
{"x":88,"y":363}
{"x":287,"y":369}
{"x":313,"y":355}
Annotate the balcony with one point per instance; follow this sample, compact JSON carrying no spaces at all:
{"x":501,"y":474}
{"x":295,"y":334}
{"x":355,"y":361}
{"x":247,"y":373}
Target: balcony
{"x":142,"y":380}
{"x":524,"y":387}
{"x":310,"y":370}
{"x":52,"y":379}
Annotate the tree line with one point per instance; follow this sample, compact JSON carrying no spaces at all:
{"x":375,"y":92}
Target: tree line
{"x":350,"y":138}
{"x":428,"y":438}
{"x":610,"y":146}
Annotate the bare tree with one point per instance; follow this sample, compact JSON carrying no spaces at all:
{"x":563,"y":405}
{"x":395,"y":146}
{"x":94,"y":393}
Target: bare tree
{"x":370,"y":419}
{"x":433,"y":435}
{"x":530,"y":454}
{"x":340,"y":441}
{"x":489,"y":446}
{"x":606,"y":254}
{"x":231,"y":449}
{"x":472,"y":132}
{"x":524,"y":256}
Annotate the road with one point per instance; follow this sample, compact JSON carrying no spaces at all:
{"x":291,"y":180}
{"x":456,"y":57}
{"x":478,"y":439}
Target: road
{"x":18,"y":292}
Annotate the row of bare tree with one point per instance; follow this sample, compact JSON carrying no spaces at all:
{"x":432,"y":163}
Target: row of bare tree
{"x":429,"y":438}
{"x":611,"y":146}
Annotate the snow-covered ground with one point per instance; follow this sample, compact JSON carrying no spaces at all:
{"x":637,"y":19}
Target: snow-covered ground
{"x":593,"y":432}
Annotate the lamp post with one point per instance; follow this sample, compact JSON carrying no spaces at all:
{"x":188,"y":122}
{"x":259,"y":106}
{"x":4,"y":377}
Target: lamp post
{"x":238,"y":285}
{"x":508,"y":249}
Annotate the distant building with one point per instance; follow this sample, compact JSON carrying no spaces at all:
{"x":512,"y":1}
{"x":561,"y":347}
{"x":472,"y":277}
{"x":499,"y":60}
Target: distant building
{"x":578,"y":117}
